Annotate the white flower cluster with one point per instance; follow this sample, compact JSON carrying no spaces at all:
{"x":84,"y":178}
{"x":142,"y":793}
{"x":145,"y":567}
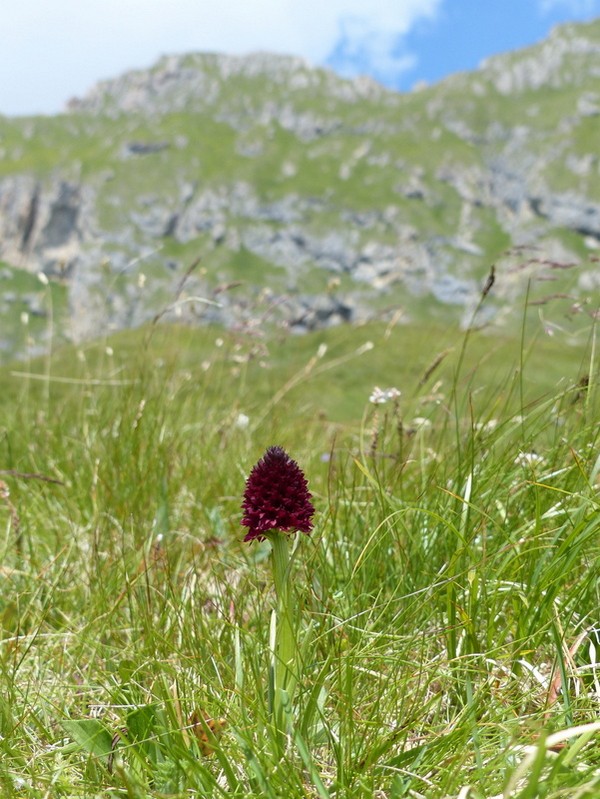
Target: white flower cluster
{"x":528,"y":459}
{"x":379,"y":396}
{"x":242,"y":421}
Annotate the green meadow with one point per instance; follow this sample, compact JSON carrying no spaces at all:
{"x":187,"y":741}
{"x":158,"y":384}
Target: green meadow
{"x":447,"y":602}
{"x":444,"y":612}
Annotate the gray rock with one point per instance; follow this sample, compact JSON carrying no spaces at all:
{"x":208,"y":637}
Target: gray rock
{"x":156,"y":222}
{"x":144,"y":148}
{"x":570,"y":211}
{"x":43,"y":225}
{"x":308,"y":312}
{"x":452,"y":290}
{"x":588,"y":105}
{"x":546,"y":65}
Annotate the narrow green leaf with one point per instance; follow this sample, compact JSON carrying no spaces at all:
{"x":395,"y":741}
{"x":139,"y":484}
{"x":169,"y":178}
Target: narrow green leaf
{"x":90,"y":734}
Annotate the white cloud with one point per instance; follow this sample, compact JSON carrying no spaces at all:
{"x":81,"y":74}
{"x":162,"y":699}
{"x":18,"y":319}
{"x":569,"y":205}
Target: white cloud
{"x":52,"y":50}
{"x":363,"y":49}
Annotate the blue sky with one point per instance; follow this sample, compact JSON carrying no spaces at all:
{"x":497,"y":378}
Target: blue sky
{"x":51,"y":51}
{"x":461,"y":33}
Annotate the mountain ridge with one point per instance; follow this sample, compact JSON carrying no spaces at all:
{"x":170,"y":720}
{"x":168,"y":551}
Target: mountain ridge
{"x":330,"y":199}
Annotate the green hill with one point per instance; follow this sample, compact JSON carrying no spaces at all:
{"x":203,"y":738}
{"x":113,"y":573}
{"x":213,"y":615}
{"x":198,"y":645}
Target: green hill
{"x":309,"y":199}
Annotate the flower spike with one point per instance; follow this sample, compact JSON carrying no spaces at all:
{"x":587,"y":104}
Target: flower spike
{"x":276,"y":497}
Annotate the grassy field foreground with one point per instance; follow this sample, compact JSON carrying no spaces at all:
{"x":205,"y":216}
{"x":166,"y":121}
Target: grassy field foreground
{"x":448,"y":599}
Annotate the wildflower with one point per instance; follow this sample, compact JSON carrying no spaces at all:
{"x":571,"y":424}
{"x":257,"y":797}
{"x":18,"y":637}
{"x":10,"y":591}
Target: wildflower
{"x":277,"y":501}
{"x":528,"y":459}
{"x":242,"y":421}
{"x":380,"y":396}
{"x":276,"y":497}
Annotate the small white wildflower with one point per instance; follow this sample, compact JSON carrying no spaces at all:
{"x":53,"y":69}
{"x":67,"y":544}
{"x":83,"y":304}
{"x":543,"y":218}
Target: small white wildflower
{"x":43,"y":278}
{"x":141,"y":281}
{"x":242,"y":421}
{"x":528,"y":459}
{"x":379,"y":396}
{"x":109,"y":351}
{"x":24,"y":318}
{"x":219,"y":342}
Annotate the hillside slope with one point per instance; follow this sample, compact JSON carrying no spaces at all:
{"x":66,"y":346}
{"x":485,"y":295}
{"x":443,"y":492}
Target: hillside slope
{"x":316,"y":198}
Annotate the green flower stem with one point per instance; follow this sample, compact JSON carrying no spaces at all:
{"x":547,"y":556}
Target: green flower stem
{"x":286,"y":647}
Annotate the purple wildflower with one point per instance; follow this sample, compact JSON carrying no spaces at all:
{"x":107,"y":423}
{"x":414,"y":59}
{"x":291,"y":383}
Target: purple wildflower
{"x":276,"y":497}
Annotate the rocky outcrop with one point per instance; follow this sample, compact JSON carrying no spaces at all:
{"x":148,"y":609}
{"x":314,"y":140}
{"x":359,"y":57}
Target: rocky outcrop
{"x":194,"y":82}
{"x":555,"y":63}
{"x":570,"y":211}
{"x":43,"y":224}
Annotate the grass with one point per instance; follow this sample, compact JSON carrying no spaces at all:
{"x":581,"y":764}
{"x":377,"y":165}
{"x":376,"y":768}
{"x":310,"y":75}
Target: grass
{"x":449,"y":595}
{"x":32,"y":311}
